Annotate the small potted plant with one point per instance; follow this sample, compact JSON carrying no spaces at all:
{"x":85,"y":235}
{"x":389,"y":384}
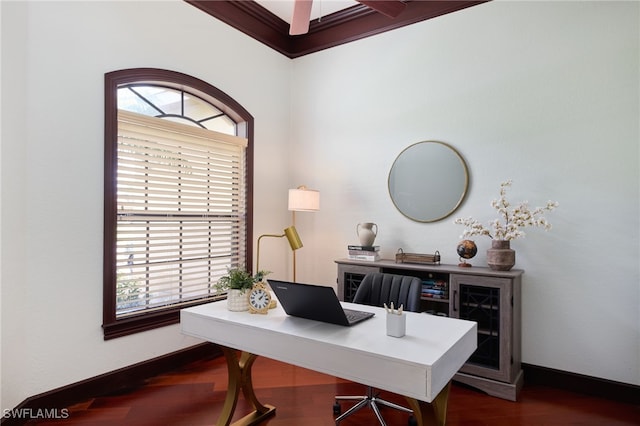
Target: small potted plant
{"x":236,"y":283}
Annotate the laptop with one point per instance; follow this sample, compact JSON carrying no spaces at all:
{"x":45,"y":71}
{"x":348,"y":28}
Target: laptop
{"x":315,"y":302}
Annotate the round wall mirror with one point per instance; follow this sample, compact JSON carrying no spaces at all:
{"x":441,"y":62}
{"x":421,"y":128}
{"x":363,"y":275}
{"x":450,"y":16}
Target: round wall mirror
{"x":428,"y":181}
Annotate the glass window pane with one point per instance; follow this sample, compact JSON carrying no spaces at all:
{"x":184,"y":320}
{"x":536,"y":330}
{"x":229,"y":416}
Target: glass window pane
{"x":175,"y":105}
{"x":198,"y":109}
{"x":169,"y":101}
{"x":130,"y":101}
{"x":221,"y":124}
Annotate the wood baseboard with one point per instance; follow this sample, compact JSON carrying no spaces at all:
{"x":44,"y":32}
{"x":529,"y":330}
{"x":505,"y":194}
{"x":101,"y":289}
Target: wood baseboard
{"x":115,"y":381}
{"x":601,"y":388}
{"x":132,"y":376}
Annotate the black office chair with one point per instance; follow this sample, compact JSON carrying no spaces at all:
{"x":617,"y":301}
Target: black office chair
{"x":376,"y":289}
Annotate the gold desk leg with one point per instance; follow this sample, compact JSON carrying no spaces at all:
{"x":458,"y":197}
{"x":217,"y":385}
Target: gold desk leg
{"x":434,"y":413}
{"x":239,"y":371}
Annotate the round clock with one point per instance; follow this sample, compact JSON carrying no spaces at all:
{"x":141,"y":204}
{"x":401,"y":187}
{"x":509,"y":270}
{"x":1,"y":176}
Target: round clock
{"x":259,"y":299}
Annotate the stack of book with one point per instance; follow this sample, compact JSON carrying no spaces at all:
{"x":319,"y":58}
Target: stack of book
{"x":368,"y":253}
{"x":435,"y":288}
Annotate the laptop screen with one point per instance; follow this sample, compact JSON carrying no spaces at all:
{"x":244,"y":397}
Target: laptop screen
{"x":313,"y":302}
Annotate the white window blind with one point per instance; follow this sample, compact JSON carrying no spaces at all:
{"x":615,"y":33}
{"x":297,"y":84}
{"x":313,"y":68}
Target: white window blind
{"x":181,"y":211}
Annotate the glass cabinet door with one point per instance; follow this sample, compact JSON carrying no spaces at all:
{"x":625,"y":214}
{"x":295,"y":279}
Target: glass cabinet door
{"x":487,"y":301}
{"x":349,"y":278}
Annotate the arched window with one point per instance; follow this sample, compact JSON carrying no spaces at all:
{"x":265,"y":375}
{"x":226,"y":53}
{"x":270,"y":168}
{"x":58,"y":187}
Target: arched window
{"x":177,"y":200}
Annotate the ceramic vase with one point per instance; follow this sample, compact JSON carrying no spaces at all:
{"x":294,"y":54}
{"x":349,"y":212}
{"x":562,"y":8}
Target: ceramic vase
{"x":500,"y":257}
{"x":238,"y":300}
{"x":367,"y":232}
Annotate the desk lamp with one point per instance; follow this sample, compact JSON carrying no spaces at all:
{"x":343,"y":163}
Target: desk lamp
{"x":302,"y":199}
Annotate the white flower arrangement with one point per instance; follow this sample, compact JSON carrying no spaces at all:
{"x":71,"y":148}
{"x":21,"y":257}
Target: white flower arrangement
{"x":511,"y":221}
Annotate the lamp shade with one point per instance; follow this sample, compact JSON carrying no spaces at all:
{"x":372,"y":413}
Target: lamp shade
{"x":302,"y":199}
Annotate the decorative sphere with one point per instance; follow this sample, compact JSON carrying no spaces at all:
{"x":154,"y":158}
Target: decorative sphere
{"x":467,"y":249}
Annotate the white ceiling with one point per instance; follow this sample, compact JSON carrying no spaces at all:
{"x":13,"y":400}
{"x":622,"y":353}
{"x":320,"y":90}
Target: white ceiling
{"x":284,"y":8}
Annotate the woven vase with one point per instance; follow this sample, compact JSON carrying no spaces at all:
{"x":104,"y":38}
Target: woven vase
{"x":237,"y":300}
{"x":500,"y":257}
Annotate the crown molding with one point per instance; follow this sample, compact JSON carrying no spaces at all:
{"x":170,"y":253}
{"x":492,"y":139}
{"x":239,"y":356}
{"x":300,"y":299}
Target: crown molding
{"x":341,"y":27}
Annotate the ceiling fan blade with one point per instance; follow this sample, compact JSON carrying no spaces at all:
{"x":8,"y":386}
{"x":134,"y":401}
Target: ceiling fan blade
{"x":390,"y":8}
{"x":301,"y":17}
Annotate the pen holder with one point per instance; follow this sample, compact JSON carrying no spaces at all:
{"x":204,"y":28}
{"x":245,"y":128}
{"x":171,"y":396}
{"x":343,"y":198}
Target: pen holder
{"x":396,"y":324}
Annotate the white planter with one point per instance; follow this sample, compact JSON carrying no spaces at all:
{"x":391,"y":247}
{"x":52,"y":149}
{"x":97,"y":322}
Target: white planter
{"x":238,"y":301}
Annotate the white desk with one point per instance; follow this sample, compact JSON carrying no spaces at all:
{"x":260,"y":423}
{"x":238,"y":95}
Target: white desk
{"x":419,"y":365}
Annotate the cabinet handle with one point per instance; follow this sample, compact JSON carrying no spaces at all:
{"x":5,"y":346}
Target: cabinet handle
{"x":455,"y":298}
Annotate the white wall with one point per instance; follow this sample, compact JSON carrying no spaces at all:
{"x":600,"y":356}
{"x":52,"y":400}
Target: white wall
{"x":544,"y":93}
{"x":54,"y":56}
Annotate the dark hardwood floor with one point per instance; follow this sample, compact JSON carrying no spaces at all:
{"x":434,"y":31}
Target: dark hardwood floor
{"x":193,"y":396}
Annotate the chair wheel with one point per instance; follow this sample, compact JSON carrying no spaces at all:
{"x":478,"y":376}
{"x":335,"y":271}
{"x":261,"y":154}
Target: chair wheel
{"x":336,"y":408}
{"x":413,"y":421}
